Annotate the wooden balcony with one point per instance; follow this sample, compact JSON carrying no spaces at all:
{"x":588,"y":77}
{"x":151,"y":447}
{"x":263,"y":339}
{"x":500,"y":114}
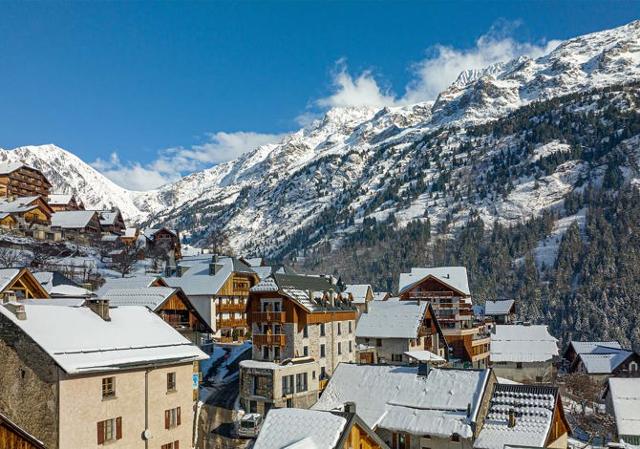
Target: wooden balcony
{"x":232,"y":307}
{"x":268,"y":317}
{"x":224,"y":323}
{"x":269,"y":339}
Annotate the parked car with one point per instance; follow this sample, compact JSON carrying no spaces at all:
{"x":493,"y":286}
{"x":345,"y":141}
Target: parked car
{"x":249,"y":425}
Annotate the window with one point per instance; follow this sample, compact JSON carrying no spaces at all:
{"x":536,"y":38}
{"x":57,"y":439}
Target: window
{"x":265,"y":352}
{"x":519,"y":365}
{"x":350,"y":327}
{"x":276,"y":352}
{"x":378,"y":342}
{"x":339,"y":328}
{"x":455,"y":437}
{"x":313,"y":374}
{"x":171,"y":381}
{"x":305,"y":351}
{"x":301,"y":382}
{"x":322,"y":351}
{"x":174,"y":445}
{"x":339,"y":348}
{"x":109,"y":430}
{"x":172,"y":418}
{"x":260,"y":383}
{"x":402,"y":441}
{"x":253,"y":407}
{"x":396,"y":357}
{"x":350,"y":346}
{"x":305,"y":331}
{"x":633,"y":367}
{"x":323,"y":373}
{"x":322,"y":330}
{"x":287,"y":385}
{"x":108,"y":387}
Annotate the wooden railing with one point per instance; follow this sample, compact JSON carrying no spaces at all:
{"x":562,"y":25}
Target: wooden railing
{"x":230,"y":322}
{"x":268,"y":317}
{"x":232,"y":307}
{"x":269,"y":339}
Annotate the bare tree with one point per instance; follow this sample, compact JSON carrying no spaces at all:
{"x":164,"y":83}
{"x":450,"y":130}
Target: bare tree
{"x":125,"y":261}
{"x":10,"y":257}
{"x":41,"y":256}
{"x":218,"y":243}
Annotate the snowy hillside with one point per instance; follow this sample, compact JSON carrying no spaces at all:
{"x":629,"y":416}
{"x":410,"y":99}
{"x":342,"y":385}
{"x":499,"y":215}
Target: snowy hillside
{"x":429,"y":159}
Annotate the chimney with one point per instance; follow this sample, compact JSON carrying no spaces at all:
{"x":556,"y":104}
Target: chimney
{"x":100,"y":307}
{"x":512,"y":418}
{"x":423,"y":369}
{"x":350,"y":407}
{"x":17,"y":310}
{"x":469,"y":410}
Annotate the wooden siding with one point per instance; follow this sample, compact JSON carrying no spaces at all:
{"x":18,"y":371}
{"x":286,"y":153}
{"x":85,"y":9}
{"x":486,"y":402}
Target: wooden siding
{"x":25,"y":285}
{"x":12,"y":437}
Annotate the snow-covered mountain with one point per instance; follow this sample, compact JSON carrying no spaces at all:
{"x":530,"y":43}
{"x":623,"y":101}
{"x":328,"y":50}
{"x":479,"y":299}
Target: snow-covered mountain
{"x":429,"y":159}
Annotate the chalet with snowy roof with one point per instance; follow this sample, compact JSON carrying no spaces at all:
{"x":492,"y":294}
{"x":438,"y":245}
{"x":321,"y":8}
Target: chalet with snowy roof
{"x":601,"y":359}
{"x":312,"y":429}
{"x":17,"y":180}
{"x":163,"y":239}
{"x":84,"y":376}
{"x":361,"y":295}
{"x":61,"y":202}
{"x":622,"y":398}
{"x":414,"y":407}
{"x":447,"y":289}
{"x":13,"y":436}
{"x":170,"y":304}
{"x":132,"y":282}
{"x":523,"y":353}
{"x":111,"y":221}
{"x":219,"y":288}
{"x":58,"y":285}
{"x":130,"y":236}
{"x":20,"y":283}
{"x":500,"y":312}
{"x":381,"y":296}
{"x":30,"y":214}
{"x":82,"y":225}
{"x":399,"y":332}
{"x":524,"y":416}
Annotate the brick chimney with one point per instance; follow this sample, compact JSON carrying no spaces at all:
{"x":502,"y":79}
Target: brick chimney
{"x":100,"y":307}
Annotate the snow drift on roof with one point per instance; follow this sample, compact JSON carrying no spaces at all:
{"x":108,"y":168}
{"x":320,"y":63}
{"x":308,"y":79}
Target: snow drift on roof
{"x":359,"y":292}
{"x":455,"y":277}
{"x":151,"y":297}
{"x":498,"y":307}
{"x":625,"y":396}
{"x":72,"y":219}
{"x":391,"y":319}
{"x":519,"y":343}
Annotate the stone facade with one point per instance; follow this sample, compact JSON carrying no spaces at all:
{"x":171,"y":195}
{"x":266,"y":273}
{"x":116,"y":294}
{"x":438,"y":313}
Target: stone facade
{"x":526,"y":372}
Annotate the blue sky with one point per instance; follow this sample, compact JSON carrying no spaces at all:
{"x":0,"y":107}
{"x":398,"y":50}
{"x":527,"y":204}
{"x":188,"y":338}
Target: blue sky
{"x":145,"y":91}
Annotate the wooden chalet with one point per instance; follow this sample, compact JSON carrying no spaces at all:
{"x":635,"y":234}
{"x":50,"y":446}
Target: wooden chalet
{"x":171,"y":304}
{"x":64,"y":202}
{"x":164,"y":238}
{"x":77,"y":224}
{"x":30,"y":214}
{"x":111,"y":221}
{"x":8,"y":221}
{"x":21,"y":180}
{"x":130,"y":236}
{"x":447,"y":289}
{"x":13,"y":436}
{"x":601,"y":360}
{"x":20,"y":283}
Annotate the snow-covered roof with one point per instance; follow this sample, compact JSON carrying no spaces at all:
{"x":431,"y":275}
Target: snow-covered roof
{"x":197,"y":281}
{"x":59,"y":198}
{"x":109,"y":217}
{"x":625,"y":397}
{"x":495,"y":308}
{"x":130,"y":232}
{"x":380,"y":296}
{"x":135,"y":282}
{"x":455,"y":277}
{"x":426,"y":422}
{"x":151,"y":297}
{"x":424,"y":356}
{"x":445,"y":391}
{"x":359,"y":292}
{"x":79,"y":340}
{"x":18,"y":205}
{"x":10,"y":167}
{"x":604,"y":363}
{"x":588,"y":347}
{"x":519,"y":343}
{"x":533,"y":405}
{"x":298,"y":428}
{"x":7,"y":275}
{"x":72,"y":219}
{"x":391,"y":319}
{"x":150,"y":232}
{"x":254,"y":261}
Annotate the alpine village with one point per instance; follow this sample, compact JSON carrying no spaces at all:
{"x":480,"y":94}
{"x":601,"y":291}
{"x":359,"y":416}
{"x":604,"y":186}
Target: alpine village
{"x":126,"y":331}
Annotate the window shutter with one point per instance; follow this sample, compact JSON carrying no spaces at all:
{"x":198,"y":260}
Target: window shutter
{"x":118,"y":427}
{"x":407,"y":441}
{"x":100,"y":432}
{"x":178,"y":419}
{"x":394,"y":441}
{"x":176,"y":445}
{"x":166,"y":419}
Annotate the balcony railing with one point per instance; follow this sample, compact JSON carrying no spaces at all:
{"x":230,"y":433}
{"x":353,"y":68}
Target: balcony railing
{"x":269,"y":339}
{"x":430,"y":294}
{"x":230,"y":322}
{"x":232,"y":307}
{"x":268,"y":317}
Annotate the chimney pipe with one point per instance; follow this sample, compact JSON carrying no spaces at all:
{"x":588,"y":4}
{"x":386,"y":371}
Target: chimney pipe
{"x":350,"y":407}
{"x":512,"y":418}
{"x":100,"y":307}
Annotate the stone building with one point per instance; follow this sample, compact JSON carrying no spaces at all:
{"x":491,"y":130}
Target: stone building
{"x":87,"y":376}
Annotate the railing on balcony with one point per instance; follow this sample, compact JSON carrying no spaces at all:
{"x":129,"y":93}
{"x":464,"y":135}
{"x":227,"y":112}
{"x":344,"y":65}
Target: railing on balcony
{"x":430,"y":294}
{"x":232,"y":307}
{"x":230,"y":322}
{"x":269,"y":339}
{"x":268,"y":317}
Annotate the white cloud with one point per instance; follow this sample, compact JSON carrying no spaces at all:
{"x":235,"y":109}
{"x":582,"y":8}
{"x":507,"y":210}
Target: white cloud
{"x":172,"y":163}
{"x":434,"y":73}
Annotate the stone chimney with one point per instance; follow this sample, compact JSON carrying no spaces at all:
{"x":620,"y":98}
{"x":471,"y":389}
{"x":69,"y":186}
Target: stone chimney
{"x":18,"y":310}
{"x":100,"y":307}
{"x":214,"y":266}
{"x":350,"y":407}
{"x":511,"y":420}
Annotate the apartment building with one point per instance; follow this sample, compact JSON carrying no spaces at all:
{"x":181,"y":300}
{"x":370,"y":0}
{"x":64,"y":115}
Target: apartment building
{"x":21,"y":180}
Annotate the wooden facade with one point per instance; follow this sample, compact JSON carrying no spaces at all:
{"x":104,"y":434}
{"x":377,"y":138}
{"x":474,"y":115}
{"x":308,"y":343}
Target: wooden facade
{"x":23,"y":181}
{"x":24,"y":285}
{"x":358,"y":435}
{"x":231,"y":305}
{"x":13,"y":437}
{"x":178,"y":311}
{"x":65,"y":203}
{"x":165,"y":238}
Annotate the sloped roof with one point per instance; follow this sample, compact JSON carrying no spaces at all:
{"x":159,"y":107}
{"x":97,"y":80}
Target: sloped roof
{"x":454,"y":277}
{"x":7,"y":275}
{"x":78,"y":340}
{"x":135,"y":282}
{"x":300,"y":428}
{"x":59,"y":198}
{"x":391,"y":319}
{"x":588,"y":347}
{"x":151,"y":297}
{"x":625,"y":397}
{"x":10,"y":167}
{"x":519,"y":343}
{"x":380,"y":296}
{"x":130,"y":232}
{"x":72,"y":219}
{"x":444,"y":392}
{"x":254,"y":261}
{"x":359,"y":292}
{"x":496,"y":308}
{"x":424,"y":356}
{"x":197,"y":281}
{"x":18,"y":205}
{"x":108,"y":217}
{"x":58,"y":285}
{"x":534,"y":406}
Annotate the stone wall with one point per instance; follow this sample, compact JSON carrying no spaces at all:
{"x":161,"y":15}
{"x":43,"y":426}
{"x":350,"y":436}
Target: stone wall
{"x":29,"y":389}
